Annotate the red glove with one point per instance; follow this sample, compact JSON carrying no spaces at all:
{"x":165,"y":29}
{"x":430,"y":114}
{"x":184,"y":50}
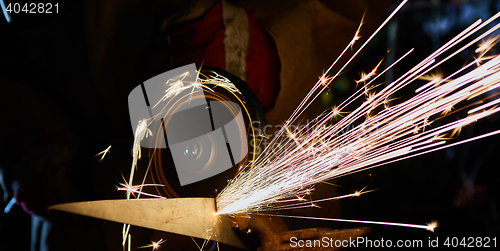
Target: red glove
{"x":227,"y":37}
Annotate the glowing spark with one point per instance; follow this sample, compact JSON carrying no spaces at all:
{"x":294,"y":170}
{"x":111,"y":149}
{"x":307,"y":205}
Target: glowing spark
{"x":104,"y":152}
{"x":431,"y":226}
{"x":312,"y":202}
{"x":324,"y":80}
{"x":174,"y":88}
{"x":129,"y":242}
{"x":136,"y":189}
{"x":196,"y":243}
{"x":433,"y":79}
{"x":455,"y":132}
{"x":286,"y":169}
{"x":495,"y":102}
{"x":205,"y":242}
{"x":366,"y":76}
{"x":142,"y":131}
{"x":485,"y":46}
{"x":356,"y":35}
{"x":292,"y":136}
{"x":154,"y":245}
{"x":179,"y":85}
{"x":125,"y":230}
{"x":221,"y":81}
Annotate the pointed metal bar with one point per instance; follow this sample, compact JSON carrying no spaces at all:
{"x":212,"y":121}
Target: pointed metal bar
{"x":187,"y":216}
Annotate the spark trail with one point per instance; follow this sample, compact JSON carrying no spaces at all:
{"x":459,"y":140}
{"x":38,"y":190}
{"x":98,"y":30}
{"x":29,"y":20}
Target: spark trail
{"x":374,"y":134}
{"x":297,"y":159}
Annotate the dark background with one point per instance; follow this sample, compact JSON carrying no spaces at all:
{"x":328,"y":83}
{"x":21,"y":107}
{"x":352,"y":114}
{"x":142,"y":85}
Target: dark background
{"x":457,"y":187}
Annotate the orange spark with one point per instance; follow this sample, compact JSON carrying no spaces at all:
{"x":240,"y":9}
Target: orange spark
{"x":103,"y":153}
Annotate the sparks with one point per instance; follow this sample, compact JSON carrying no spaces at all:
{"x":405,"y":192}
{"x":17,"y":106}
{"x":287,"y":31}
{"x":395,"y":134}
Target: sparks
{"x":430,"y":226}
{"x":366,"y":76}
{"x":324,"y":80}
{"x":141,"y":132}
{"x":356,"y":36}
{"x":154,"y":245}
{"x":485,"y":46}
{"x":137,"y":189}
{"x":219,"y":80}
{"x":103,"y":153}
{"x":295,"y":160}
{"x":286,"y":169}
{"x":175,"y":87}
{"x":433,"y":79}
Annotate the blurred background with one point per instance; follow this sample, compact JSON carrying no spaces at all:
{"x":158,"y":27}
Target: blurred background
{"x":65,"y":78}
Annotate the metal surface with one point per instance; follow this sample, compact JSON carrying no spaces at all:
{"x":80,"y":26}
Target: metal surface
{"x":187,"y":216}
